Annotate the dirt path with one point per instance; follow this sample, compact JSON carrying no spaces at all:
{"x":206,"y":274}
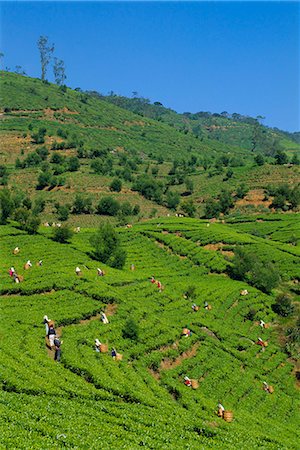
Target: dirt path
{"x":168,"y":363}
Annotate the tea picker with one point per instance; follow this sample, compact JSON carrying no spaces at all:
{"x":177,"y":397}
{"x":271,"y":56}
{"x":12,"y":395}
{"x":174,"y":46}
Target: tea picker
{"x":46,"y":322}
{"x":57,"y":354}
{"x":97,"y":345}
{"x":78,"y":271}
{"x":104,"y":318}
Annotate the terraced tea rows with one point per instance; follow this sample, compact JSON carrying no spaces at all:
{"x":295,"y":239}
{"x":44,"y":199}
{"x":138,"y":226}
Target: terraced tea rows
{"x":90,"y":400}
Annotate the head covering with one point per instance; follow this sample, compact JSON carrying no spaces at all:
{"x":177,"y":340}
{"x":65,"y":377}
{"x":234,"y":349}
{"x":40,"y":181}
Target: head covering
{"x":97,"y":342}
{"x":46,"y":318}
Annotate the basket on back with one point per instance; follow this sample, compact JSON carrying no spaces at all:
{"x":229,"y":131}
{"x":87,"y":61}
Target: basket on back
{"x":228,"y":416}
{"x":103,"y":348}
{"x":195,"y":384}
{"x":119,"y":357}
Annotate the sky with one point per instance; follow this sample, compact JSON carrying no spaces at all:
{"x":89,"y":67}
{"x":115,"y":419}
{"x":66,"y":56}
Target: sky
{"x":238,"y":57}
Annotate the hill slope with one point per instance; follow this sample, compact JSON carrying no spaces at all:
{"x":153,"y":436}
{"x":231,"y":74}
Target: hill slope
{"x":90,"y":400}
{"x":234,"y":129}
{"x":57,"y":143}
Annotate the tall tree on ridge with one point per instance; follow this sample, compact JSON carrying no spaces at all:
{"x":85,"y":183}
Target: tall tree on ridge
{"x":46,"y":51}
{"x":59,"y":71}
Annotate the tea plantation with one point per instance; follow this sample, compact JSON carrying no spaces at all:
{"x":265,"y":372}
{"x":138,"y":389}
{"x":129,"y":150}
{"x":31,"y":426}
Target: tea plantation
{"x":88,"y":400}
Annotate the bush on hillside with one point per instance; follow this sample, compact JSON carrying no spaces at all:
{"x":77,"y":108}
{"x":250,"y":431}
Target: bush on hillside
{"x":82,"y":205}
{"x":246,"y":266}
{"x":283,"y":305}
{"x":108,"y":206}
{"x":116,"y":185}
{"x":62,"y":234}
{"x":6,"y":205}
{"x":189,"y":208}
{"x":130,"y":330}
{"x":107,"y":247}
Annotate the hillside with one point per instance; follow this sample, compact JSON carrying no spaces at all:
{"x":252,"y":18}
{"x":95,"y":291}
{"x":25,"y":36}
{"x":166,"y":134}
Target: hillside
{"x":234,"y":129}
{"x":58,"y":143}
{"x":89,"y":400}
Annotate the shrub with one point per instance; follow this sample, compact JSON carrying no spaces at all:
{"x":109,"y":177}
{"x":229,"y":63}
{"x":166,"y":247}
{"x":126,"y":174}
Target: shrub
{"x":107,"y":247}
{"x":259,"y":159}
{"x":172,"y":200}
{"x":189,"y":208}
{"x":62,"y":234}
{"x":283,"y":305}
{"x":82,"y":205}
{"x":130,"y":330}
{"x":135,"y":210}
{"x":6,"y":205}
{"x":73,"y":164}
{"x":116,"y":185}
{"x":108,"y":206}
{"x":211,"y":209}
{"x":39,"y":137}
{"x":247,"y":267}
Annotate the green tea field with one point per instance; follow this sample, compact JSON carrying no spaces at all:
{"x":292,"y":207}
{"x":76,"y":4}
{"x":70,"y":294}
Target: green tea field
{"x":89,"y":400}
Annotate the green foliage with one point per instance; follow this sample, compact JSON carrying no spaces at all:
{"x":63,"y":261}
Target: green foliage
{"x":6,"y":205}
{"x":82,"y":205}
{"x":242,"y":190}
{"x":62,"y":234}
{"x":172,"y":200}
{"x":211,"y":209}
{"x":62,"y":212}
{"x":108,"y":206}
{"x":39,"y":136}
{"x":189,"y":208}
{"x":3,"y":175}
{"x":281,"y":157}
{"x":283,"y":305}
{"x":148,"y":187}
{"x":107,"y":247}
{"x":225,"y":201}
{"x":246,"y":266}
{"x":131,"y":330}
{"x":116,"y":185}
{"x":73,"y":164}
{"x":28,"y":221}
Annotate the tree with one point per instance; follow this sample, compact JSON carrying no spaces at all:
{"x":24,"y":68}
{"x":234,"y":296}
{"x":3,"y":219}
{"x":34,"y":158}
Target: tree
{"x":108,"y":206}
{"x":116,"y":185}
{"x":211,"y":209}
{"x":172,"y":200}
{"x":39,"y":137}
{"x":62,"y":234}
{"x":107,"y":247}
{"x":245,"y":266}
{"x":295,"y":160}
{"x":281,"y":157}
{"x":73,"y":164}
{"x":46,"y":51}
{"x":6,"y":205}
{"x":82,"y":205}
{"x":225,"y":201}
{"x":283,"y":305}
{"x":259,"y":159}
{"x":189,"y":208}
{"x":59,"y":72}
{"x":62,"y":212}
{"x":189,"y":185}
{"x":242,"y":190}
{"x":3,"y":175}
